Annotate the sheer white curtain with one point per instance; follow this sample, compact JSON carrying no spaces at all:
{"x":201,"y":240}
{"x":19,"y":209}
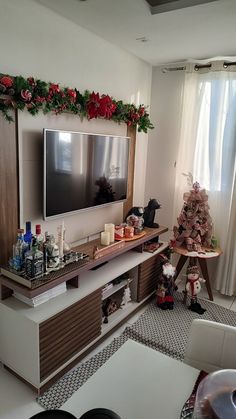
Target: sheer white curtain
{"x":207,"y":150}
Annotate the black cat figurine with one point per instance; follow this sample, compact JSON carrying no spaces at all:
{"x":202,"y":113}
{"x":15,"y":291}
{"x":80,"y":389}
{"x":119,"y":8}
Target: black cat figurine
{"x":149,"y":213}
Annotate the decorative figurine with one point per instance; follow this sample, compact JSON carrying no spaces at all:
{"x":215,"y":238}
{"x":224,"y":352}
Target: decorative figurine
{"x":165,"y":287}
{"x":108,"y":307}
{"x":134,"y":218}
{"x":149,"y":213}
{"x":127,"y":295}
{"x":193,"y":287}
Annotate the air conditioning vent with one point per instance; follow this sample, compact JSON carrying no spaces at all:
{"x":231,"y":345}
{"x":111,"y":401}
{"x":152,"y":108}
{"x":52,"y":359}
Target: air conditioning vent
{"x":161,"y":6}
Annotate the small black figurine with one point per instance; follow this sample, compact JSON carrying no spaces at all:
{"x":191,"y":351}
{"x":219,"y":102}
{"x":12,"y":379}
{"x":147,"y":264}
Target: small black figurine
{"x":149,"y":213}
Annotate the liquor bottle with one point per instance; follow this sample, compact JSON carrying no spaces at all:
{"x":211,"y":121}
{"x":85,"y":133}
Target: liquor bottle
{"x":28,"y":233}
{"x":45,"y":251}
{"x":34,"y":261}
{"x":18,"y":251}
{"x":39,"y":237}
{"x":53,"y":258}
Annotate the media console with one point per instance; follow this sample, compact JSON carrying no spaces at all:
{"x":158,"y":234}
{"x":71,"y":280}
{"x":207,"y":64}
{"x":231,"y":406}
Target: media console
{"x":39,"y":344}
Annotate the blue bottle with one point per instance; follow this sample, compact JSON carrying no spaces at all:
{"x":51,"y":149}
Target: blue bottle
{"x":17,"y":261}
{"x":28,"y":234}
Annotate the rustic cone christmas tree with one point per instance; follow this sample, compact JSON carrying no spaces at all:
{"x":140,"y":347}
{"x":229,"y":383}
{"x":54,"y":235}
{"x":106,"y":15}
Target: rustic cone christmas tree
{"x":195,"y":223}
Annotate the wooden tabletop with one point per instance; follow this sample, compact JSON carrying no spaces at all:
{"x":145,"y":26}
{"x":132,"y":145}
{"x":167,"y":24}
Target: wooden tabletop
{"x":207,"y":253}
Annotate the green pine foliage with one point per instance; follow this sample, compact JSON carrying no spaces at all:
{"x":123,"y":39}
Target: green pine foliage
{"x":36,"y":95}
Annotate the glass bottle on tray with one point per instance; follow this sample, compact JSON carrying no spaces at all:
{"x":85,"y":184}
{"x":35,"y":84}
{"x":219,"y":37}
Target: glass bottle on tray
{"x":28,"y":233}
{"x":19,"y":248}
{"x":39,"y":237}
{"x":34,"y":261}
{"x":52,"y":250}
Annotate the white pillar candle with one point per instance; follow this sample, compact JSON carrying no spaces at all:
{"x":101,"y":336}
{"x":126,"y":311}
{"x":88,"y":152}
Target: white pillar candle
{"x":105,"y":238}
{"x":111,"y":229}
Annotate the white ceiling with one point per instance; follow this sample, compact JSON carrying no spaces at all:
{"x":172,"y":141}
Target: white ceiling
{"x":198,"y":32}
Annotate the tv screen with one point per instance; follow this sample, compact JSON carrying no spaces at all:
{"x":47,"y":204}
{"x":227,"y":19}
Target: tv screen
{"x":83,"y":170}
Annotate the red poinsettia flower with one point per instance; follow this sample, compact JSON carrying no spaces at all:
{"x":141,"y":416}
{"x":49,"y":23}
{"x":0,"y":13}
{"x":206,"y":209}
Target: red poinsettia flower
{"x":93,"y":105}
{"x":6,"y":81}
{"x":26,"y":95}
{"x":107,"y":107}
{"x":54,"y":88}
{"x":72,"y":94}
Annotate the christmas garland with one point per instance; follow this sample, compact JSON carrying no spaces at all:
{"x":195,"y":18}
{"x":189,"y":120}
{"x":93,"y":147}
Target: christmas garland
{"x":37,"y":95}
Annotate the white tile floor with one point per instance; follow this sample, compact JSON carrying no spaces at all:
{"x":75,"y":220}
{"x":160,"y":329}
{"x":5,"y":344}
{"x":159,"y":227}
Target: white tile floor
{"x":17,"y":400}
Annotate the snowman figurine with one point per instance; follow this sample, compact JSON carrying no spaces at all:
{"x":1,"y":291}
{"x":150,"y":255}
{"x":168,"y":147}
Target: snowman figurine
{"x":126,"y":296}
{"x":193,"y":287}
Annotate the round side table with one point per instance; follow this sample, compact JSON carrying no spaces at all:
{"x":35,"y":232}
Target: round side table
{"x":194,"y":258}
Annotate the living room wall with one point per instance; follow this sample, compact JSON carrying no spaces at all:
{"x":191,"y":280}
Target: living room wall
{"x":163,"y":142}
{"x":35,"y":41}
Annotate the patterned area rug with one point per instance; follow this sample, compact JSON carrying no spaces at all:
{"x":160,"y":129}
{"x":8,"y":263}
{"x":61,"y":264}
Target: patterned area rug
{"x":165,"y":331}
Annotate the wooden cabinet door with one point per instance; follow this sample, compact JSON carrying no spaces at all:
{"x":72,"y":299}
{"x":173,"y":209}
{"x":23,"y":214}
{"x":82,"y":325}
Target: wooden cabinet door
{"x":147,"y":277}
{"x":67,"y":333}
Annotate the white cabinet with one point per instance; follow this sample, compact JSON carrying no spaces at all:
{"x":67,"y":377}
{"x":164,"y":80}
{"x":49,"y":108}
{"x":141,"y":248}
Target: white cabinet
{"x":38,"y":343}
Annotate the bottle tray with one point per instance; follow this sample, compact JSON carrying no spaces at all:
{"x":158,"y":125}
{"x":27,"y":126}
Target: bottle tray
{"x":33,"y":283}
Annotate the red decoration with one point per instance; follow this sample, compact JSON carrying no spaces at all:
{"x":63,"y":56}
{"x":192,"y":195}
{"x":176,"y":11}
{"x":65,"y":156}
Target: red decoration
{"x":31,"y":81}
{"x":6,"y":81}
{"x":39,"y":99}
{"x":37,"y":95}
{"x":100,"y":106}
{"x":54,"y":88}
{"x":141,"y":111}
{"x":72,"y":94}
{"x":93,"y":105}
{"x":26,"y":95}
{"x":107,"y":107}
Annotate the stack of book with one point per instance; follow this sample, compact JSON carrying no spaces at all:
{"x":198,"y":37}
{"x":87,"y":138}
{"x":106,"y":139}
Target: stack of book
{"x":106,"y":288}
{"x":42,"y":298}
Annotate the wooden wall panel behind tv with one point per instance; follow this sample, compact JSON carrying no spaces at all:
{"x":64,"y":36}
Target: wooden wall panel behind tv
{"x":9,"y":194}
{"x":9,"y":184}
{"x":128,"y":204}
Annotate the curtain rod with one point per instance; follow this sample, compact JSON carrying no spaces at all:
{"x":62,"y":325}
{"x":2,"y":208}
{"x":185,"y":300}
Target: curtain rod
{"x":196,"y":67}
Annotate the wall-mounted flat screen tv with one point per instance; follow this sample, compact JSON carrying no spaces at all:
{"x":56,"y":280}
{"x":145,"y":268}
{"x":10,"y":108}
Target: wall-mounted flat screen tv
{"x":83,"y":170}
